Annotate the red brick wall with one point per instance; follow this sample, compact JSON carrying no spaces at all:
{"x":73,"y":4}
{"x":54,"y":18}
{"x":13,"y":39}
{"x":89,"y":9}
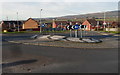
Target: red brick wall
{"x":30,"y":24}
{"x":88,"y":26}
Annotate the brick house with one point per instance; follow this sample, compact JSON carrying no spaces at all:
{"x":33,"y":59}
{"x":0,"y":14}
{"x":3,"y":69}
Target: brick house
{"x":92,"y":24}
{"x":30,"y":24}
{"x":11,"y":25}
{"x":115,"y":24}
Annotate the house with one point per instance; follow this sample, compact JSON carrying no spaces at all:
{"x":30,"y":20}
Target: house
{"x":115,"y":24}
{"x":92,"y":24}
{"x":33,"y":24}
{"x":11,"y":25}
{"x":30,"y":24}
{"x":61,"y":25}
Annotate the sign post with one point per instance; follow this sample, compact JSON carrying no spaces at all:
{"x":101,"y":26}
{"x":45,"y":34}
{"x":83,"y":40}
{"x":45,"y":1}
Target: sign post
{"x":69,"y":27}
{"x":81,"y":31}
{"x":76,"y":33}
{"x":70,"y":30}
{"x":70,"y":33}
{"x":76,"y":27}
{"x":84,"y":30}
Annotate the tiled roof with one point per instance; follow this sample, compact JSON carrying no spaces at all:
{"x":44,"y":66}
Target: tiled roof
{"x":92,"y":21}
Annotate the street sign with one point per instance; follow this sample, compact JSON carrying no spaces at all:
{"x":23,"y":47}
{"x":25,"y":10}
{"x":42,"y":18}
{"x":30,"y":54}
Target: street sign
{"x":69,"y":27}
{"x":43,"y":25}
{"x":76,"y":26}
{"x":83,"y":26}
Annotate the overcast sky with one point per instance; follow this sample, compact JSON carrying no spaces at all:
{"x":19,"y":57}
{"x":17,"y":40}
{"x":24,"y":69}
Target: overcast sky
{"x":52,"y":8}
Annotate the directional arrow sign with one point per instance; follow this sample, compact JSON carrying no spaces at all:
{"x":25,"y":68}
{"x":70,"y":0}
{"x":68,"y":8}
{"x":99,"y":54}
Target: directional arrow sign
{"x":76,"y":26}
{"x":43,"y":25}
{"x":82,"y":26}
{"x":72,"y":27}
{"x":69,"y":27}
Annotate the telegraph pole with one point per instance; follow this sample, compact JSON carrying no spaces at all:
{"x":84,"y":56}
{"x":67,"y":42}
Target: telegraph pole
{"x":40,"y":22}
{"x":104,"y":20}
{"x":7,"y":18}
{"x":17,"y":22}
{"x":108,"y":27}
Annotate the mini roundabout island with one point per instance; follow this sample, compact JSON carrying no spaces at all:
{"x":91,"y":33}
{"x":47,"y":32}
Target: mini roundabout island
{"x":61,"y":41}
{"x":64,"y":39}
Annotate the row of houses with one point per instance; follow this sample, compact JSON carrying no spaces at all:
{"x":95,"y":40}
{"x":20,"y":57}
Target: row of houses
{"x":34,"y":24}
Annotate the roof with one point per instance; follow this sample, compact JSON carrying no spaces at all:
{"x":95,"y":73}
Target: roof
{"x":92,"y":21}
{"x":115,"y":24}
{"x":32,"y":19}
{"x":13,"y":22}
{"x":61,"y":22}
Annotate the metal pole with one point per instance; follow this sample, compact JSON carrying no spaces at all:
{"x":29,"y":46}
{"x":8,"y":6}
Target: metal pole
{"x":70,"y":33}
{"x":80,"y":32}
{"x":9,"y":25}
{"x":17,"y":22}
{"x":7,"y":18}
{"x":76,"y":33}
{"x":108,"y":27}
{"x":97,"y":25}
{"x":104,"y":21}
{"x":104,"y":17}
{"x":40,"y":22}
{"x":70,"y":30}
{"x":84,"y":30}
{"x":61,"y":27}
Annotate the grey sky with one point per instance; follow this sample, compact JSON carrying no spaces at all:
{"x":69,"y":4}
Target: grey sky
{"x":53,"y":9}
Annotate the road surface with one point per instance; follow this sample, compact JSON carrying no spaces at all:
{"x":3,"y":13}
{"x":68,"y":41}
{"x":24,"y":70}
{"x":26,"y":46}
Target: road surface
{"x":20,"y":58}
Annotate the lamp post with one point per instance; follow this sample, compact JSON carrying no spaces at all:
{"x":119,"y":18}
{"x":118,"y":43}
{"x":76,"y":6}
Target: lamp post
{"x":70,"y":30}
{"x":40,"y":21}
{"x":104,"y":21}
{"x":17,"y":22}
{"x":97,"y":25}
{"x":108,"y":27}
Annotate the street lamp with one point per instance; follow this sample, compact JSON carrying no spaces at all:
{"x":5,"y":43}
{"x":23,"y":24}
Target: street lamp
{"x":40,"y":21}
{"x":97,"y":25}
{"x":104,"y":21}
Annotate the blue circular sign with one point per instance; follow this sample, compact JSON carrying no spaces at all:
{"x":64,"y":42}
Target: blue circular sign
{"x":76,"y":26}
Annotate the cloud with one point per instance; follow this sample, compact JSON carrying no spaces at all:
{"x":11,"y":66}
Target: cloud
{"x":59,"y":0}
{"x":53,"y":9}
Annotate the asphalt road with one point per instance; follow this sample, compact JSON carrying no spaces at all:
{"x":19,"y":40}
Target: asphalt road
{"x":58,"y":60}
{"x":19,"y":58}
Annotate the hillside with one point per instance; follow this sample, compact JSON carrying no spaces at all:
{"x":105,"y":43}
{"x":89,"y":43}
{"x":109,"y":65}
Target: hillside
{"x":109,"y":14}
